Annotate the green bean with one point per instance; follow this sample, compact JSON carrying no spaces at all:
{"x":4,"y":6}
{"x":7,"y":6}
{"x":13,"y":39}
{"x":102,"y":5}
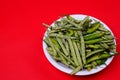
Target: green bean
{"x":46,"y":41}
{"x":62,"y":46}
{"x":112,"y":48}
{"x":63,"y":59}
{"x":82,"y":48}
{"x":73,"y":51}
{"x":76,"y":25}
{"x":49,"y":48}
{"x":93,"y":58}
{"x":95,"y":63}
{"x":84,"y":32}
{"x":79,"y":47}
{"x":67,"y":47}
{"x":57,"y":28}
{"x":56,"y":49}
{"x":65,"y":62}
{"x":71,"y":66}
{"x":93,"y":35}
{"x":107,"y":32}
{"x":100,"y":61}
{"x":75,"y":29}
{"x":93,"y":41}
{"x":64,"y":21}
{"x":63,"y":40}
{"x":92,"y":65}
{"x":65,"y":27}
{"x":77,"y":53}
{"x":108,"y":37}
{"x":54,"y":41}
{"x":52,"y":54}
{"x":57,"y":58}
{"x":107,"y":41}
{"x":105,"y":55}
{"x":68,"y":59}
{"x":97,"y":57}
{"x":59,"y":52}
{"x":88,"y":65}
{"x":94,"y":27}
{"x":94,"y":52}
{"x":76,"y":34}
{"x":102,"y":28}
{"x":76,"y":70}
{"x":52,"y":45}
{"x":104,"y":45}
{"x":68,"y":26}
{"x":61,"y":36}
{"x":78,"y":43}
{"x":70,"y":32}
{"x":72,"y":19}
{"x":84,"y":20}
{"x":71,"y":22}
{"x":113,"y":51}
{"x":88,"y":51}
{"x":86,"y":25}
{"x":111,"y":43}
{"x":95,"y":46}
{"x":58,"y":24}
{"x":54,"y":31}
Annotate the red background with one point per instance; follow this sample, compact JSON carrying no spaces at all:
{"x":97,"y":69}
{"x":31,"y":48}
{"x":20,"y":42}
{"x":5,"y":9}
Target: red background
{"x":21,"y":33}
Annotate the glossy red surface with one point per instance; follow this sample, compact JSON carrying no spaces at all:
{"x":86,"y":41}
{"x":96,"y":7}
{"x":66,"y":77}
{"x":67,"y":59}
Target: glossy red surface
{"x":21,"y":33}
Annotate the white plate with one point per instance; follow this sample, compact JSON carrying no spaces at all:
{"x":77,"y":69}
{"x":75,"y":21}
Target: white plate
{"x":64,"y":68}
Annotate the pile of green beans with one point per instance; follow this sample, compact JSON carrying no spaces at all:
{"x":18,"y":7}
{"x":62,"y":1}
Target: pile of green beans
{"x":79,"y":44}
